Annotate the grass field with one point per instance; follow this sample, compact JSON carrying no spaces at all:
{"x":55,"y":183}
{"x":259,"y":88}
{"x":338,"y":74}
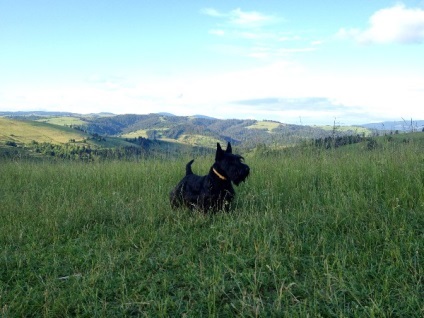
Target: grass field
{"x":24,"y":132}
{"x":340,"y":128}
{"x":268,"y":125}
{"x":136,"y":134}
{"x":185,"y":139}
{"x":63,"y":121}
{"x":313,"y":233}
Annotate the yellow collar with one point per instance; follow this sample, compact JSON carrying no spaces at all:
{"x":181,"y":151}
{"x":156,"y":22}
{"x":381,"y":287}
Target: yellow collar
{"x":219,"y":175}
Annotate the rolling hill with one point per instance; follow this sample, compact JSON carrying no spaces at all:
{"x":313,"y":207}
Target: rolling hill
{"x":65,"y":137}
{"x":197,"y":130}
{"x":24,"y":132}
{"x":404,"y":125}
{"x":153,"y":133}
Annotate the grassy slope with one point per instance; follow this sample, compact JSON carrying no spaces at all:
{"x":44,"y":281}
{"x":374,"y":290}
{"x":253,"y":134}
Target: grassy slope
{"x":267,"y":125}
{"x":336,"y":234}
{"x":356,"y":129}
{"x":56,"y":132}
{"x":198,"y":140}
{"x":192,"y":139}
{"x":52,"y":130}
{"x":136,"y":134}
{"x":62,"y":121}
{"x":23,"y":132}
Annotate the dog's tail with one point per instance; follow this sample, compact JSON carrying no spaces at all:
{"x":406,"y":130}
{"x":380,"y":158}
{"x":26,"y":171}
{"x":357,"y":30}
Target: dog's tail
{"x":188,"y":167}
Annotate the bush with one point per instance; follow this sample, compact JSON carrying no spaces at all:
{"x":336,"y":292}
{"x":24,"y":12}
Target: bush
{"x":11,"y":143}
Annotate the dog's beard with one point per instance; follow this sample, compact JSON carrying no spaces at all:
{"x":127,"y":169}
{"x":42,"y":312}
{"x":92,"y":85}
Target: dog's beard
{"x":240,"y":178}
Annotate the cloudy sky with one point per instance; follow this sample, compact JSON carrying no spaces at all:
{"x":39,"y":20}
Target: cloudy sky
{"x":308,"y":62}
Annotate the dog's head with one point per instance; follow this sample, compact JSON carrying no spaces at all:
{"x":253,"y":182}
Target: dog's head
{"x":230,"y":165}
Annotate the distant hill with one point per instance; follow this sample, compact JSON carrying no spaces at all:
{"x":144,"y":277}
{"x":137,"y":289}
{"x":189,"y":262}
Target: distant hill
{"x":44,"y":138}
{"x":166,"y":114}
{"x":404,"y":126}
{"x":199,"y":130}
{"x":203,"y":117}
{"x":206,"y":131}
{"x":37,"y":114}
{"x":107,"y":136}
{"x":24,"y":132}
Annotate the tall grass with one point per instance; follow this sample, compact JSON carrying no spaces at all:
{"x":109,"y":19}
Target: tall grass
{"x":312,"y":233}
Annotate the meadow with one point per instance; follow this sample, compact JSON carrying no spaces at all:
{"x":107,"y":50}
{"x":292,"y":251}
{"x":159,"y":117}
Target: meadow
{"x":312,"y":233}
{"x":24,"y":132}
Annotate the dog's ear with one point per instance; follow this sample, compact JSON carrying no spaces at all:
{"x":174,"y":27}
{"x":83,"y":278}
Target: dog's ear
{"x":229,"y":149}
{"x":219,"y":152}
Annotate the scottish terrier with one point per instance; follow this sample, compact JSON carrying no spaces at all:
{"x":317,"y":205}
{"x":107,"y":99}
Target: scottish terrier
{"x":213,"y":192}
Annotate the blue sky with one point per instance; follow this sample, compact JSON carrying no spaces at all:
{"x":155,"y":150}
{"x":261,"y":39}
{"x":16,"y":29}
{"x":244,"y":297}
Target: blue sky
{"x":309,"y":62}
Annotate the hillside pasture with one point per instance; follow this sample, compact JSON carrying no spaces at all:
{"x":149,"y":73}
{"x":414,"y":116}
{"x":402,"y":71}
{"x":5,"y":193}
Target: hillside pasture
{"x":266,"y":125}
{"x":136,"y":134}
{"x":63,"y":121}
{"x":343,"y":128}
{"x":198,"y":140}
{"x":24,"y":132}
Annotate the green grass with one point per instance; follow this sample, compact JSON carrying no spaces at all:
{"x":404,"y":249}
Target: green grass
{"x":268,"y":125}
{"x":24,"y":132}
{"x":198,"y":140}
{"x":136,"y":134}
{"x":341,"y":128}
{"x":63,"y":121}
{"x":312,"y":233}
{"x":190,"y":139}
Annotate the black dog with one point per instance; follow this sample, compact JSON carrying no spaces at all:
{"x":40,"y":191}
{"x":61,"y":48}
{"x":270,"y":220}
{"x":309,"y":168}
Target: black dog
{"x":214,"y":191}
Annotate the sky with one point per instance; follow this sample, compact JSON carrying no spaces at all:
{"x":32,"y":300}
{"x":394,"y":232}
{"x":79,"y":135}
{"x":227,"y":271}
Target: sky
{"x":301,"y":62}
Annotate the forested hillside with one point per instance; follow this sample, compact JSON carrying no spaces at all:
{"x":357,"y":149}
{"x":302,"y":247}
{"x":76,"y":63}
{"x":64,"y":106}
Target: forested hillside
{"x":104,"y":135}
{"x":244,"y":132}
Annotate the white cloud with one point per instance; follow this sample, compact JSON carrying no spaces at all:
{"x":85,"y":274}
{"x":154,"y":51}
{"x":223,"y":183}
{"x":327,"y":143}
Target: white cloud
{"x":289,"y":38}
{"x":284,"y":91}
{"x":211,"y":12}
{"x":254,"y":34}
{"x":217,"y":32}
{"x":240,"y":18}
{"x":249,"y":19}
{"x":397,"y":24}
